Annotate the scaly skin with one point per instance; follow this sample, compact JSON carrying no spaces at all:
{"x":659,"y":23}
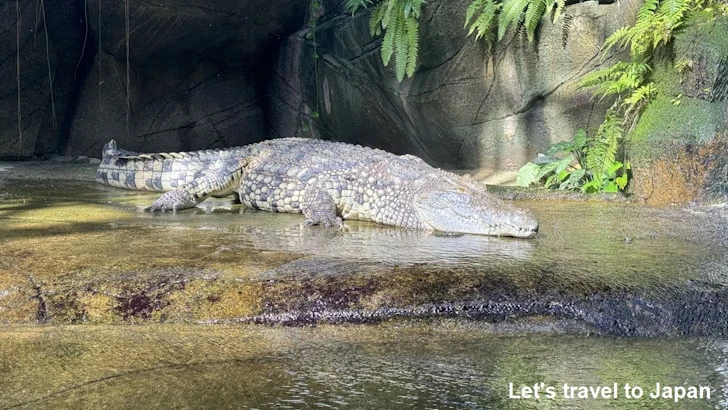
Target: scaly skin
{"x":326,"y":181}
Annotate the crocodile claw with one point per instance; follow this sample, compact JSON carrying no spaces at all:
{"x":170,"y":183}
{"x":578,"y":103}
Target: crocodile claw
{"x":172,"y":201}
{"x":161,"y":207}
{"x":327,"y":222}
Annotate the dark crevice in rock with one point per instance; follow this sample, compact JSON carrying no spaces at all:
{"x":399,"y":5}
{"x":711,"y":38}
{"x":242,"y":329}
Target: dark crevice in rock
{"x":42,"y":315}
{"x":81,"y":76}
{"x":689,"y":313}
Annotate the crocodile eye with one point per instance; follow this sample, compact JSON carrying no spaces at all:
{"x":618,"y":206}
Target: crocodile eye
{"x":460,"y":197}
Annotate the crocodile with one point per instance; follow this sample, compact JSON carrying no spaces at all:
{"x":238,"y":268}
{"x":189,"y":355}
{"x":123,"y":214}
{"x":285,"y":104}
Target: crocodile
{"x":324,"y":180}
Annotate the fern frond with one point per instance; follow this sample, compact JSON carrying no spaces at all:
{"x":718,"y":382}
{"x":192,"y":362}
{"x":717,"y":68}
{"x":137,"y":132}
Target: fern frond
{"x":560,"y":4}
{"x":602,"y":149}
{"x":646,"y":11}
{"x":401,"y":46}
{"x":634,"y":103}
{"x":413,"y":40}
{"x":416,"y":7}
{"x":387,"y":15}
{"x":397,"y":19}
{"x":353,"y":5}
{"x":511,"y":13}
{"x":534,"y":12}
{"x":375,"y":19}
{"x":485,"y":22}
{"x":474,"y":6}
{"x":387,"y":47}
{"x":621,"y":36}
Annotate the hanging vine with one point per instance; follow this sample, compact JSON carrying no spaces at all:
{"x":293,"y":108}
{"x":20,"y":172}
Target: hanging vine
{"x":54,"y":121}
{"x":17,"y":67}
{"x":128,"y":66}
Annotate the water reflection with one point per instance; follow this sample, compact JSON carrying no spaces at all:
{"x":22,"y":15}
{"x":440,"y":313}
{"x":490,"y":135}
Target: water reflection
{"x":370,"y":242}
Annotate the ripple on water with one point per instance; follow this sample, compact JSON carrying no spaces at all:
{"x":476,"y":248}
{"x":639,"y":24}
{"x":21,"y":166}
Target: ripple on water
{"x":446,"y":367}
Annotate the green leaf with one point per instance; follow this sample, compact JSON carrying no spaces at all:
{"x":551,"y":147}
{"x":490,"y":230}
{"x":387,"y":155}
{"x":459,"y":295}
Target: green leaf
{"x":590,"y":187}
{"x":611,"y":187}
{"x":387,"y":47}
{"x":564,"y":163}
{"x":375,"y":19}
{"x":614,"y":168}
{"x":580,"y":138}
{"x":550,"y":181}
{"x":474,"y":6}
{"x":315,"y":115}
{"x":527,"y":174}
{"x":542,"y":159}
{"x":353,"y":5}
{"x":574,"y":179}
{"x":563,"y":146}
{"x":413,"y":39}
{"x":562,"y":175}
{"x":547,"y":169}
{"x":621,"y":181}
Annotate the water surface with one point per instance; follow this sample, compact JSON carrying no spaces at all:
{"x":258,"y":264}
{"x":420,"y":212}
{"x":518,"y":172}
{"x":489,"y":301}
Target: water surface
{"x":443,"y":366}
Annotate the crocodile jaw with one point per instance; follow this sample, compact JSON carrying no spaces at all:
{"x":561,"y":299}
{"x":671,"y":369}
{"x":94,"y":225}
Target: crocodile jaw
{"x":465,"y":211}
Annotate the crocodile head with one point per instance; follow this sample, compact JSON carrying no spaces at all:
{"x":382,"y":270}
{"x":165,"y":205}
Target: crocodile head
{"x":465,"y":207}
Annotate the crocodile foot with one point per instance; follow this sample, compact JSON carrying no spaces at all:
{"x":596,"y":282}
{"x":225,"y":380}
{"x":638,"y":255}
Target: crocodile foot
{"x":326,"y":221}
{"x":173,"y":201}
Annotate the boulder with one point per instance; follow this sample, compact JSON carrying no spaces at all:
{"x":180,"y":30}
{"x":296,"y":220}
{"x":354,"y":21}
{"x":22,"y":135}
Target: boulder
{"x":465,"y":108}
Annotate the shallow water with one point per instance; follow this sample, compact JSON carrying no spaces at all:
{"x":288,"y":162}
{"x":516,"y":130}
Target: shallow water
{"x":459,"y":317}
{"x":74,"y":251}
{"x":628,"y":238}
{"x":443,"y":366}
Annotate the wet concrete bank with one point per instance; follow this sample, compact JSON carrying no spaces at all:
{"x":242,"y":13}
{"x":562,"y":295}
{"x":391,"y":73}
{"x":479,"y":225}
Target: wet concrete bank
{"x":73,"y":251}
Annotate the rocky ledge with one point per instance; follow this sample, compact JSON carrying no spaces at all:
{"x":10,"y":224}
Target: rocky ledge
{"x":77,"y":252}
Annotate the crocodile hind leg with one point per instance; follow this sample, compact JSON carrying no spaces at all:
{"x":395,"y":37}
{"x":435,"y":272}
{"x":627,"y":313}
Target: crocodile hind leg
{"x":218,"y":183}
{"x":319,"y":208}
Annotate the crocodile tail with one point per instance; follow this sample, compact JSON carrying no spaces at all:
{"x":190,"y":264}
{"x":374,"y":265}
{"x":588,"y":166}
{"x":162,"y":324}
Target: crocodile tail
{"x":109,"y":149}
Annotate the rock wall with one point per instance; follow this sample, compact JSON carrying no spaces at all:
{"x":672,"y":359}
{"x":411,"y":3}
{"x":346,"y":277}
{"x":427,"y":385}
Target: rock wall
{"x":207,"y":74}
{"x":679,"y":145}
{"x":38,"y":125}
{"x":464,"y":108}
{"x":195,"y":72}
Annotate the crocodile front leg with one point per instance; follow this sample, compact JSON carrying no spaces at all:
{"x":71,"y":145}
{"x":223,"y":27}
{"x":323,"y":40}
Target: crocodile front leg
{"x":319,"y":208}
{"x":221,"y":182}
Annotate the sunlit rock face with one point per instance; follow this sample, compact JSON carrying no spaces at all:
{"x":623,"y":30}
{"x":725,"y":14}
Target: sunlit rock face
{"x":678,"y":147}
{"x":464,"y":108}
